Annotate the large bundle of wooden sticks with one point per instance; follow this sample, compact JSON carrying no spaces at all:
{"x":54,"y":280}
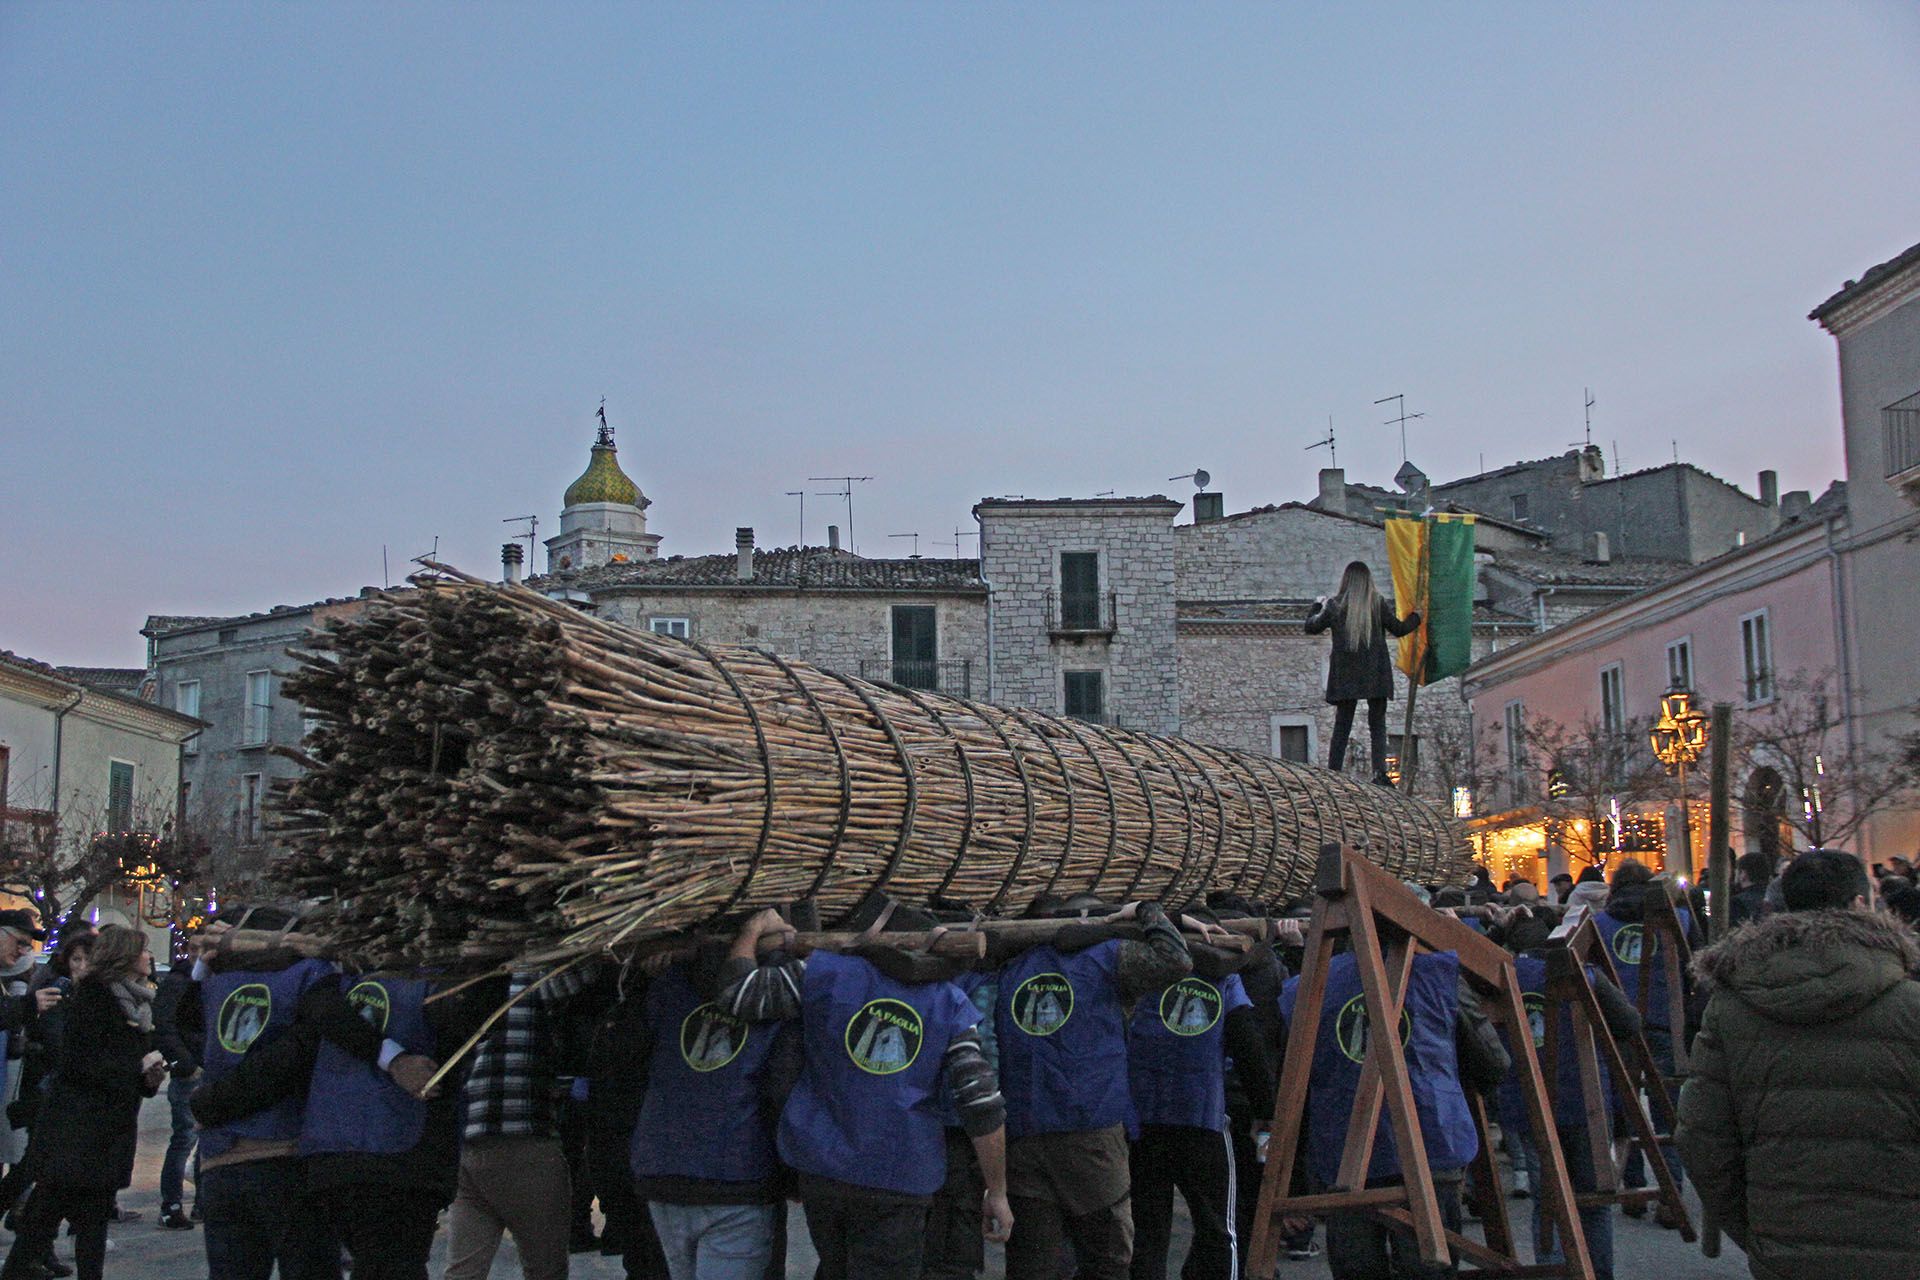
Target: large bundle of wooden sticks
{"x":496,"y":775}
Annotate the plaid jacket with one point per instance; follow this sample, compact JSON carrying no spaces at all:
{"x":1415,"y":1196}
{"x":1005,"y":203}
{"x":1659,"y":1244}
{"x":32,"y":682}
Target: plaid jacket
{"x":509,"y":1090}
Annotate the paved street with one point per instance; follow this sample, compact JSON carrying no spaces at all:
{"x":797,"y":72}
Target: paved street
{"x":140,"y":1249}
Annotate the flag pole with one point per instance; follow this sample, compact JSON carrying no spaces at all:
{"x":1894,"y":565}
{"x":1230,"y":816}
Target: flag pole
{"x":1409,"y":753}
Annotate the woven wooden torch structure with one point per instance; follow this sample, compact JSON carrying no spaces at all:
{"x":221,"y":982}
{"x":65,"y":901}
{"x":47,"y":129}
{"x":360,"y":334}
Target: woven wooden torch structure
{"x":498,"y":776}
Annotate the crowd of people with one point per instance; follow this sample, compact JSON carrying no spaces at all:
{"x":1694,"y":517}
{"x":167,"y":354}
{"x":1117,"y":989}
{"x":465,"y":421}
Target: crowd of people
{"x":1052,"y":1098}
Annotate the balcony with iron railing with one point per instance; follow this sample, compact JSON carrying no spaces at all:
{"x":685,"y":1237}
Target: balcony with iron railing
{"x":953,"y":677}
{"x":1078,"y":617}
{"x":1902,"y":423}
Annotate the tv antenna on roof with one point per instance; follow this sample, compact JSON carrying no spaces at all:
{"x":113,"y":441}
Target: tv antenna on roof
{"x":1199,"y":477}
{"x":844,"y":491}
{"x":533,"y":526}
{"x":916,"y":542}
{"x":802,"y":495}
{"x":959,"y":533}
{"x":1400,"y":421}
{"x":1333,"y":450}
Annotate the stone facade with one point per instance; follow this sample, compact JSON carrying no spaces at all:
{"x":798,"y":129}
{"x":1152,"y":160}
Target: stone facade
{"x":1288,"y":552}
{"x":848,"y":632}
{"x":1132,"y":650}
{"x":230,"y":768}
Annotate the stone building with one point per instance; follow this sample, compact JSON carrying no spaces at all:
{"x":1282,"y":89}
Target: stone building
{"x":227,"y":672}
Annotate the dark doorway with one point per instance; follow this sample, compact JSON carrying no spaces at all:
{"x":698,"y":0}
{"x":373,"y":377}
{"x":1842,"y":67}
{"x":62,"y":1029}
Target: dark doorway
{"x":916,"y":650}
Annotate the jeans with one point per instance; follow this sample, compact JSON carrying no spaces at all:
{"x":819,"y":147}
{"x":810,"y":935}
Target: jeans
{"x":714,"y":1241}
{"x":1596,"y":1223}
{"x":388,"y":1230}
{"x":955,"y":1250}
{"x":257,"y":1214}
{"x":1376,"y":734}
{"x":173,"y":1168}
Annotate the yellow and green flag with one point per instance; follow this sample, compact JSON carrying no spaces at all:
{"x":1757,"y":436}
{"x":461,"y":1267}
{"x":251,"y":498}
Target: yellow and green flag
{"x":1432,"y":561}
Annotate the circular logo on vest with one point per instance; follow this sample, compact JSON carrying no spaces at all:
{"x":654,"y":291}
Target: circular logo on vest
{"x":1350,"y":1028}
{"x":369,"y":1000}
{"x":1632,"y":946}
{"x":1536,"y":1017}
{"x":243,"y":1016}
{"x":1043,"y":1003}
{"x":1190,"y":1007}
{"x":710,"y":1038}
{"x":884,"y":1037}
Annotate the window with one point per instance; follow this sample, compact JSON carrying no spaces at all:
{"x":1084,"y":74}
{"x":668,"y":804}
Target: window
{"x":678,"y":628}
{"x":1084,"y":700}
{"x":259,"y":708}
{"x":186,"y":700}
{"x":915,"y":647}
{"x":229,"y":635}
{"x":1680,"y":664}
{"x":1293,"y":739}
{"x":1514,"y":719}
{"x":1520,"y":506}
{"x":119,"y":796}
{"x":1756,"y":655}
{"x":1901,"y":420}
{"x":6,"y":759}
{"x":309,"y":722}
{"x":1080,"y":590}
{"x":251,"y":825}
{"x":1613,"y":701}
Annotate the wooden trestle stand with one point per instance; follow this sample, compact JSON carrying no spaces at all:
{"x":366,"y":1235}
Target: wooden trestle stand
{"x":1569,"y":988}
{"x":1387,"y":926}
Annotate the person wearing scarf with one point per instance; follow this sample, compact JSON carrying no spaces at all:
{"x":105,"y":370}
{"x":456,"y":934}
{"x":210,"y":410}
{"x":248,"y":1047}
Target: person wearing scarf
{"x":83,"y":1145}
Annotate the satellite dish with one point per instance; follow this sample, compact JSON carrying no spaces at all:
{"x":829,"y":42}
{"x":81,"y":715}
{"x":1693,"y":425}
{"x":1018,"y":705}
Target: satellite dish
{"x":1201,"y":479}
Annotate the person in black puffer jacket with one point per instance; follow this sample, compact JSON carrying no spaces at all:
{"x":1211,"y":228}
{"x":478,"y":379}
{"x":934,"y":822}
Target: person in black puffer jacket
{"x":84,"y":1142}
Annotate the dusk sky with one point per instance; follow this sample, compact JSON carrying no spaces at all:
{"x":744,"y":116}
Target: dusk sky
{"x":282,"y":285}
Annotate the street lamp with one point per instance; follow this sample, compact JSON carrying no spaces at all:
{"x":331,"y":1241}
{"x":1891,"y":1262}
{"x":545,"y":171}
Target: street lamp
{"x":1679,"y":736}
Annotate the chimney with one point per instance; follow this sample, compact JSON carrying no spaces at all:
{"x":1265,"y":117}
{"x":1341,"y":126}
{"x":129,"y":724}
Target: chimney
{"x":743,"y":553}
{"x":512,"y":556}
{"x":1795,"y":505}
{"x":1593,"y":464}
{"x":1208,"y":507}
{"x":833,"y":537}
{"x":1769,"y":489}
{"x":1598,"y":552}
{"x":1333,"y":490}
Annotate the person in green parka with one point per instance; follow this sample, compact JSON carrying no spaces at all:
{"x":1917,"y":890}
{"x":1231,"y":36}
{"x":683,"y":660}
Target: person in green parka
{"x":1801,"y":1121}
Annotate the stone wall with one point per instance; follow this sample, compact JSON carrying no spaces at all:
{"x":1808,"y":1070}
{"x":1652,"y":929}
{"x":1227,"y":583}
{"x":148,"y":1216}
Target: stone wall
{"x":838,"y":630}
{"x":1283,"y":553}
{"x":1020,"y":547}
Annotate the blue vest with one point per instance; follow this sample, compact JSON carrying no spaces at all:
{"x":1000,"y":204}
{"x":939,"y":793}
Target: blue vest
{"x":353,"y":1107}
{"x":864,"y":1110}
{"x":245,"y":1010}
{"x":701,"y":1116}
{"x":1426,"y":1033}
{"x":1632,"y":952}
{"x":1569,"y":1101}
{"x":1063,"y":1042}
{"x":1176,"y":1052}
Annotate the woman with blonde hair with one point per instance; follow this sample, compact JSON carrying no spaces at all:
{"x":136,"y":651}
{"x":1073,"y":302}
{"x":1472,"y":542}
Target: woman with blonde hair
{"x":83,"y":1146}
{"x":1361,"y":620}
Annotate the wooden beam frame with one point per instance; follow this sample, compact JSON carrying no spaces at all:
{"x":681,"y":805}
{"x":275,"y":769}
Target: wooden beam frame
{"x":1387,"y":927}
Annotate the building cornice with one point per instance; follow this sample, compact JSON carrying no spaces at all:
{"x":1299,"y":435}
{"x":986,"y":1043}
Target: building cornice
{"x":1883,"y":289}
{"x":1742,"y":571}
{"x":755,"y":591}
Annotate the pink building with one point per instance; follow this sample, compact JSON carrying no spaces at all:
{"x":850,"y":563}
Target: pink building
{"x":1758,"y":628}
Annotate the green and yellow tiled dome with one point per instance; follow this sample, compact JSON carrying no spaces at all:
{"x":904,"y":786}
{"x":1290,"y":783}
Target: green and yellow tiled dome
{"x":603,"y":480}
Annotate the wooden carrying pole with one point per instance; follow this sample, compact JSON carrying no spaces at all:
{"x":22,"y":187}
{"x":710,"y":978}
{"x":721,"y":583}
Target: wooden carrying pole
{"x":1719,"y":823}
{"x":1632,"y":1071}
{"x":1387,"y":927}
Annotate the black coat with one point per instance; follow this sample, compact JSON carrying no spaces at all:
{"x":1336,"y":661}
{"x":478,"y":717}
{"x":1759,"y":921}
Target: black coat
{"x":90,"y":1121}
{"x":1360,"y":673}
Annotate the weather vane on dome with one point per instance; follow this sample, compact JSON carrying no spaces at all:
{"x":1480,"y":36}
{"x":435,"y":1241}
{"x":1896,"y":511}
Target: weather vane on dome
{"x":606,"y":432}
